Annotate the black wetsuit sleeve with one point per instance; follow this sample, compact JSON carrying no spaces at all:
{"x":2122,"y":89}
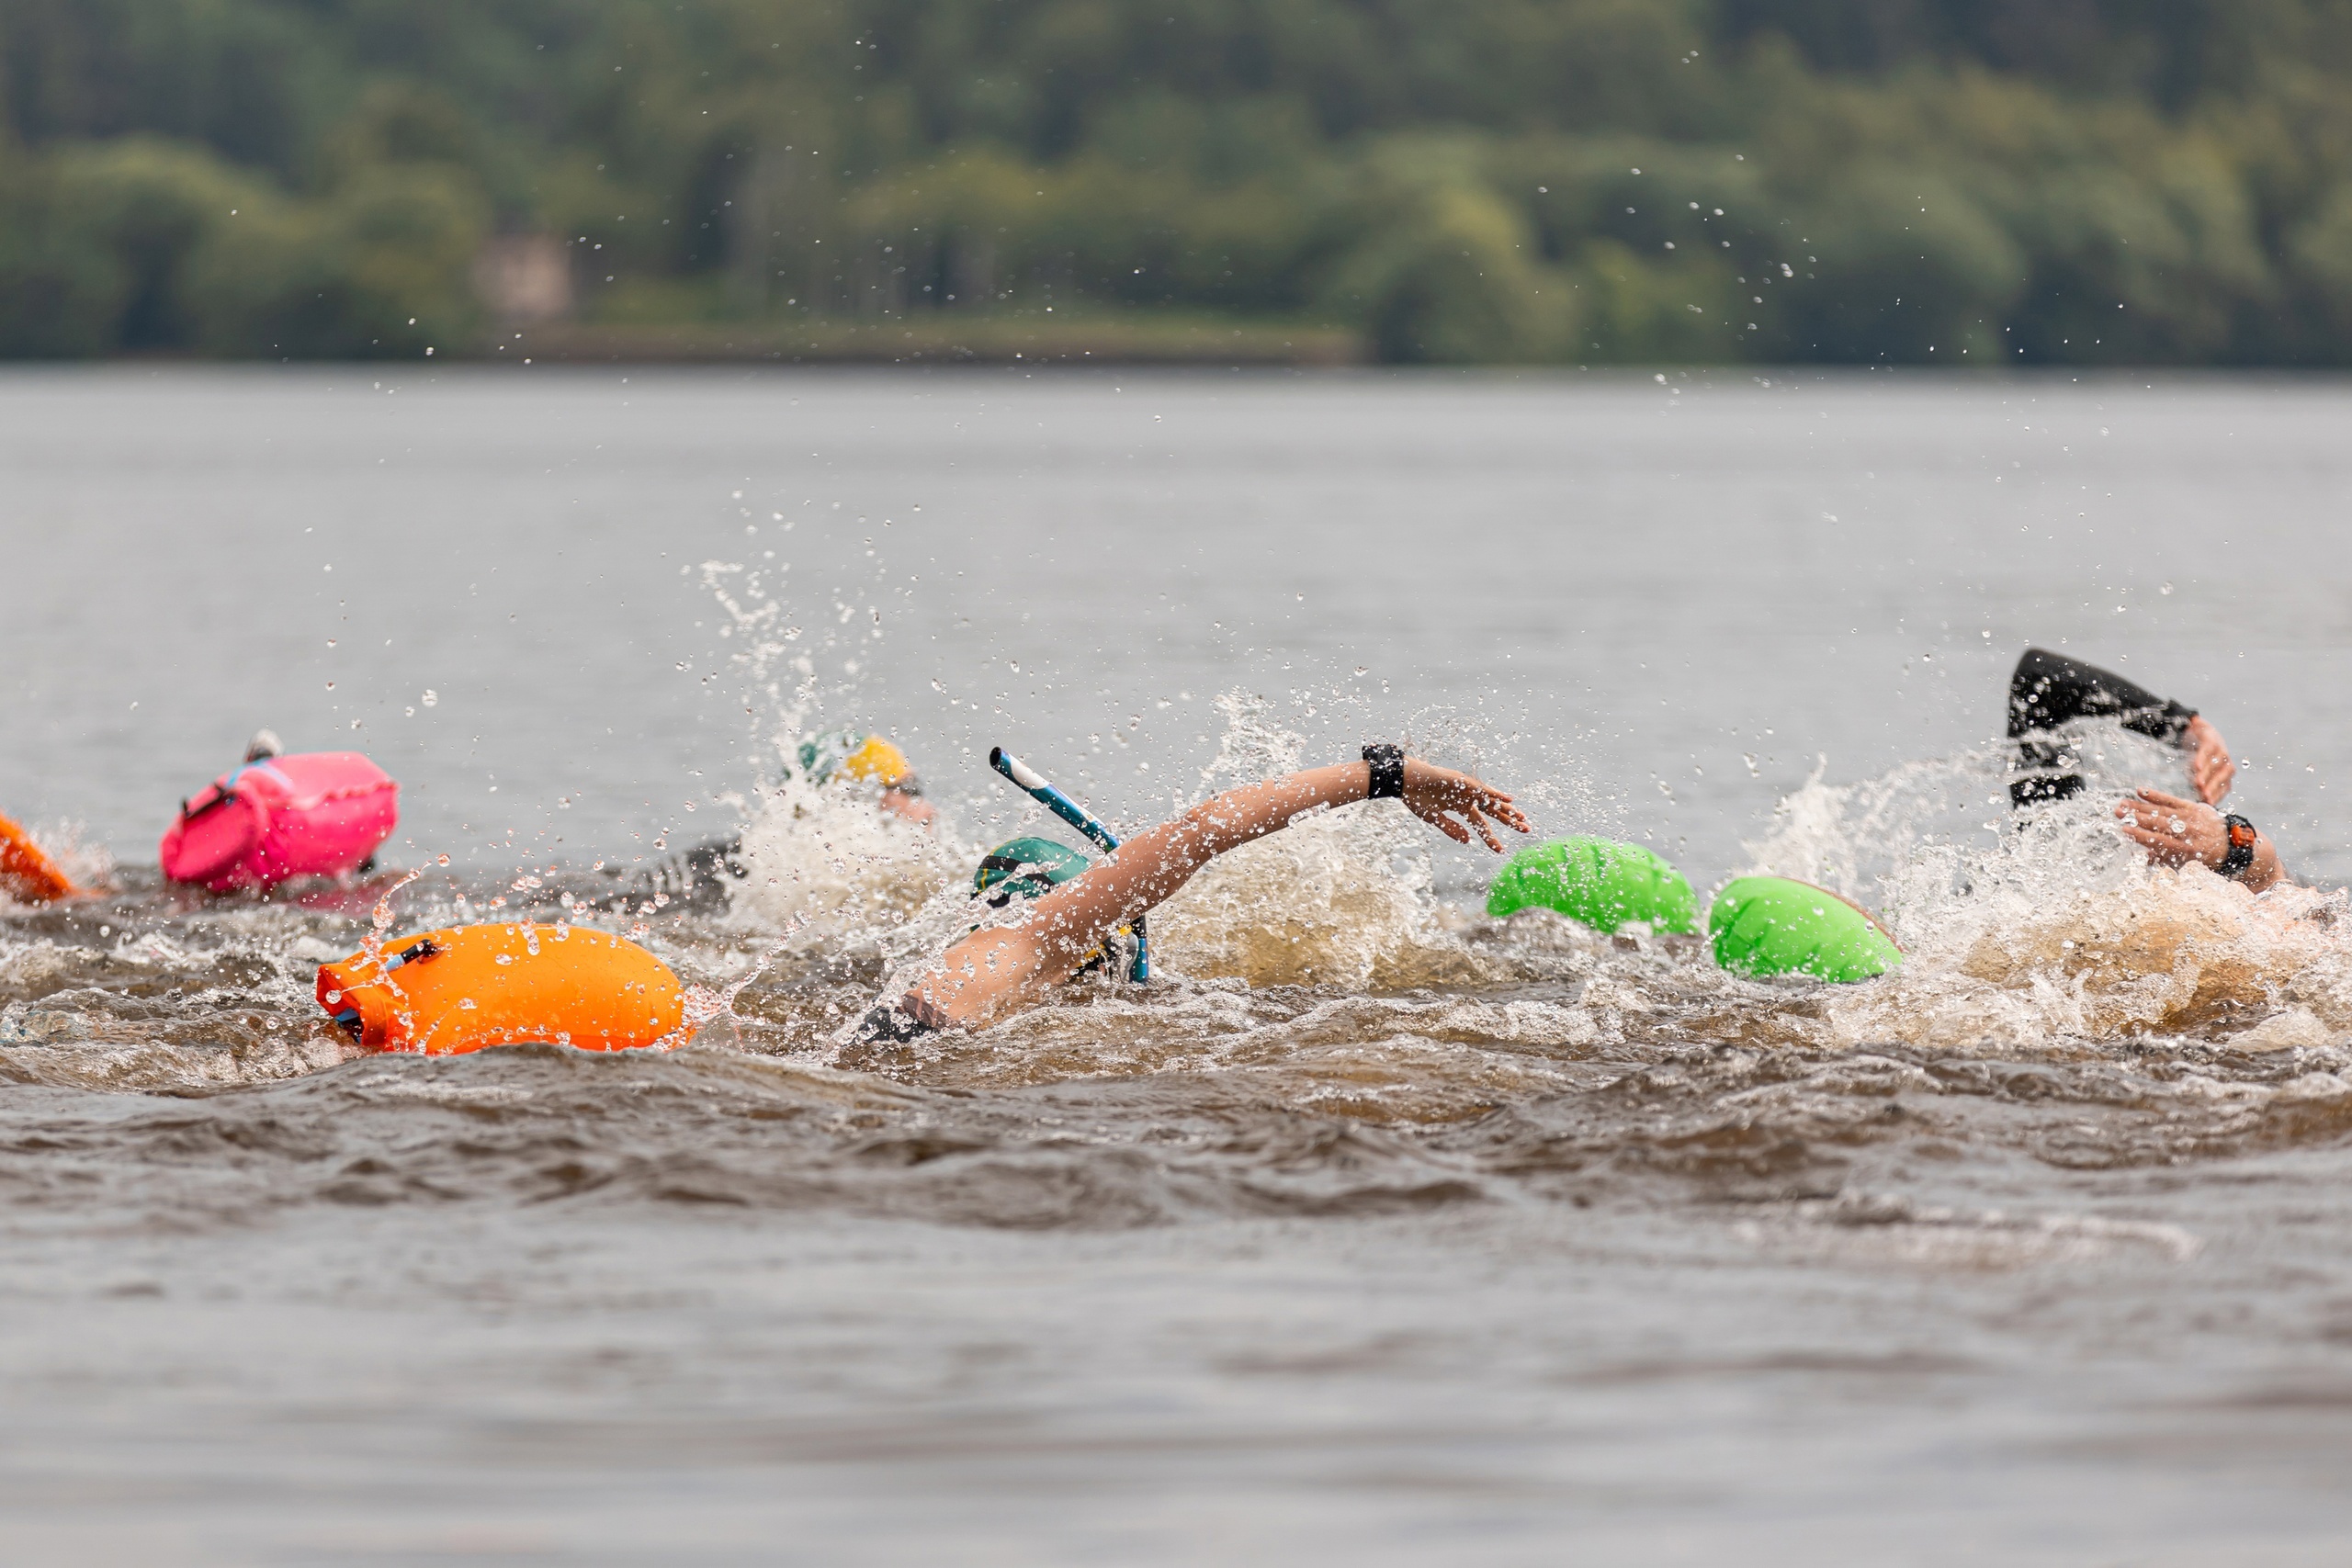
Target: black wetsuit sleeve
{"x":2050,"y":690}
{"x":896,"y":1022}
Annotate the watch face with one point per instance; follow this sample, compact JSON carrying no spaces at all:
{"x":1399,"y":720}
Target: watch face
{"x":2241,"y":835}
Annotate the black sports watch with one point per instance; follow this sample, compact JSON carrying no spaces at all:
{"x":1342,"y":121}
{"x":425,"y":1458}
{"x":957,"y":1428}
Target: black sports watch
{"x":1387,"y":771}
{"x":2242,"y":838}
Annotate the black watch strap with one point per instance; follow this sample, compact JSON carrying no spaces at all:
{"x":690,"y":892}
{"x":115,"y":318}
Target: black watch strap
{"x":1387,"y":771}
{"x":2242,"y":838}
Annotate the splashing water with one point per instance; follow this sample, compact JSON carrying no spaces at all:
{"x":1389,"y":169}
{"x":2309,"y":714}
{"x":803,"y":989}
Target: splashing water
{"x":826,"y":863}
{"x":2050,"y":930}
{"x":1343,"y":898}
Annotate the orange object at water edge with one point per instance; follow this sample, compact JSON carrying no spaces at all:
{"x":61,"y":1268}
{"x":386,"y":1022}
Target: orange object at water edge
{"x":441,"y":993}
{"x":26,"y":874}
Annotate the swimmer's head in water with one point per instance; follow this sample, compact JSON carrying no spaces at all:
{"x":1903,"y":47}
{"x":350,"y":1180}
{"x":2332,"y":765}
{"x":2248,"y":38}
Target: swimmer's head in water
{"x":1031,"y":868}
{"x":1025,"y":868}
{"x":867,"y":758}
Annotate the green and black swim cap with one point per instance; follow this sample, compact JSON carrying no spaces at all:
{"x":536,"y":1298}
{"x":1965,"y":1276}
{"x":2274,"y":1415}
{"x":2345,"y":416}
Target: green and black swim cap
{"x":1025,"y":868}
{"x":1031,"y":868}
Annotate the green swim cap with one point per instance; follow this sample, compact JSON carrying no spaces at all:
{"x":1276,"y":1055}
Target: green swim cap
{"x":1027,"y":868}
{"x":1599,"y":881}
{"x":820,"y":755}
{"x":1775,"y":925}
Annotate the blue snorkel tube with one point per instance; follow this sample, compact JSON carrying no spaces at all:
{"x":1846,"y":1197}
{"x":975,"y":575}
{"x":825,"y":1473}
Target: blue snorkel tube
{"x":1032,"y":784}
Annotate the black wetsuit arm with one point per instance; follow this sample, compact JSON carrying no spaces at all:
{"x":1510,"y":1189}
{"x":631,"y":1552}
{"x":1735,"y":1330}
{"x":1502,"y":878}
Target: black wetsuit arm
{"x":897,"y":1023}
{"x":2050,"y":690}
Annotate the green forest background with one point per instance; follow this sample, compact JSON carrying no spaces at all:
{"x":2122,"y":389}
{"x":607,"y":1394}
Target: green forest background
{"x":2016,"y":182}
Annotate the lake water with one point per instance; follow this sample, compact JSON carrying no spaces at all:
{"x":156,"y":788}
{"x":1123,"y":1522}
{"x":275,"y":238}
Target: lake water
{"x":1372,"y":1231}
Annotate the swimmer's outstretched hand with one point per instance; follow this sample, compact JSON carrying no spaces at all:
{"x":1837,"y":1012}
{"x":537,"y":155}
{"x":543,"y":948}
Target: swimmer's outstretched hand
{"x":2177,"y":831}
{"x":2209,"y":767}
{"x":2174,"y":831}
{"x":1431,"y":793}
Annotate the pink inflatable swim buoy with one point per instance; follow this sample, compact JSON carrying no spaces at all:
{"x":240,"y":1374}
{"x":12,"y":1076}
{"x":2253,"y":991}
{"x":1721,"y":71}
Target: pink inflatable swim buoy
{"x":313,"y":814}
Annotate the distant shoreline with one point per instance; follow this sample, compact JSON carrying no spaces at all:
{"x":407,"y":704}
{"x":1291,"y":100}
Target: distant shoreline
{"x":944,"y":342}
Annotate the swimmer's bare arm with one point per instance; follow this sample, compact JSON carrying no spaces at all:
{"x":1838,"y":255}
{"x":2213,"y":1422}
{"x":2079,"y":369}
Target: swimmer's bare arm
{"x":2178,"y":831}
{"x":994,"y":972}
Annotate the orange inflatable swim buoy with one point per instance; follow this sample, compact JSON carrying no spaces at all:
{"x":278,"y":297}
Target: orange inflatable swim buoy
{"x":26,"y":875}
{"x":441,"y":993}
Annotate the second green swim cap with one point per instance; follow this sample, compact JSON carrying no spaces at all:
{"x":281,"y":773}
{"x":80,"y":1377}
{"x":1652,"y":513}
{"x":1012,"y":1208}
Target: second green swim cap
{"x":1776,"y":925}
{"x":1599,"y":881}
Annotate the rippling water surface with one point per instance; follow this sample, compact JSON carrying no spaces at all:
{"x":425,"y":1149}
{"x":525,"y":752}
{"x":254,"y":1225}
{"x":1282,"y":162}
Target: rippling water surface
{"x":1371,"y":1230}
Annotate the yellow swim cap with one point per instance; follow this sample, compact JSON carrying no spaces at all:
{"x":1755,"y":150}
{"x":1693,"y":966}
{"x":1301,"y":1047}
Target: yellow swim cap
{"x":878,"y":762}
{"x":867,"y":758}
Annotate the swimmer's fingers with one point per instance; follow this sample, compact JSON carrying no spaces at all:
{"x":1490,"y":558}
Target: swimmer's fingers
{"x":2154,"y":808}
{"x":2211,"y":769}
{"x":1498,"y":806}
{"x":2162,"y":848}
{"x":1437,"y":794}
{"x":2207,"y":772}
{"x":1486,"y":832}
{"x":2159,"y":798}
{"x":2174,"y":831}
{"x":1432,"y":805}
{"x":1446,"y":825}
{"x":1436,"y":817}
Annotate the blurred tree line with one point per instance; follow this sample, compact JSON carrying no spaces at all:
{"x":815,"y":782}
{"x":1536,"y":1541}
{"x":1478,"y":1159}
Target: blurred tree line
{"x":1918,"y":181}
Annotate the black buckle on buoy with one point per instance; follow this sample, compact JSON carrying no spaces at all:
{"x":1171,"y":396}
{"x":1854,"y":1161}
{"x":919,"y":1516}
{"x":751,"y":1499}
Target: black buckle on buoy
{"x":219,"y":797}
